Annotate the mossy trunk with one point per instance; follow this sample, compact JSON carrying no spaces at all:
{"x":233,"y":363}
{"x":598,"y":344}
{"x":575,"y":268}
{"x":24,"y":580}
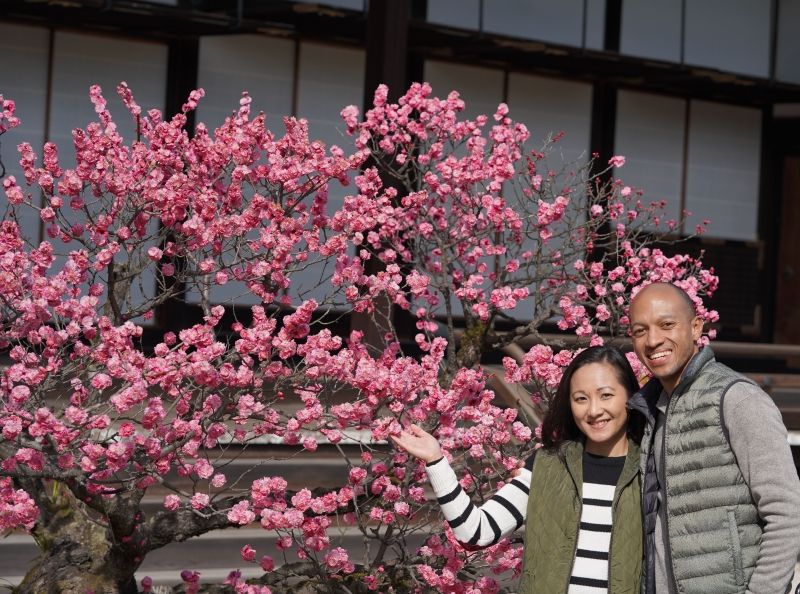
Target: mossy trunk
{"x":78,"y":555}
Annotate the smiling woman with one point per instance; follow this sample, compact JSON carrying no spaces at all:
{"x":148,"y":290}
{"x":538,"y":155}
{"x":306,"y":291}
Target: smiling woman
{"x":590,"y":454}
{"x":599,"y":406}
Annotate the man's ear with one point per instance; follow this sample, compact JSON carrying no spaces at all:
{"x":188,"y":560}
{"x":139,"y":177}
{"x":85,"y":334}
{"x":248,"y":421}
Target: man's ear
{"x":697,"y":328}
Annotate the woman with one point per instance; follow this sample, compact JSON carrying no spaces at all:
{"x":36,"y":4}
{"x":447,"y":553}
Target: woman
{"x":580,"y":492}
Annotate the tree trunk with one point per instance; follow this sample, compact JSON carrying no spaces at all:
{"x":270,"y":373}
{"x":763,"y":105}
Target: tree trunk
{"x":78,"y":555}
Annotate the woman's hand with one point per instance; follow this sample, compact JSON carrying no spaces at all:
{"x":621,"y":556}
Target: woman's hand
{"x":418,"y":443}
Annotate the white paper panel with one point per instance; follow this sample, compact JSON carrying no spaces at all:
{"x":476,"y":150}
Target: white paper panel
{"x":464,"y":14}
{"x":556,"y":21}
{"x":23,"y":78}
{"x":651,"y":29}
{"x":723,"y":176}
{"x":787,"y":67}
{"x":480,"y":88}
{"x":731,"y":35}
{"x":550,"y":105}
{"x":650,"y":133}
{"x":230,"y":64}
{"x":595,"y":24}
{"x":80,"y":61}
{"x":331,"y":78}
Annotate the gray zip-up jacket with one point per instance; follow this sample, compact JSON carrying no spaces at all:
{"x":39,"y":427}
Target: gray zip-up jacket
{"x":757,"y":439}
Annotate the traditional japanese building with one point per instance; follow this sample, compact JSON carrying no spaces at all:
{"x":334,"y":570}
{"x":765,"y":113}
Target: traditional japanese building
{"x":702,"y":96}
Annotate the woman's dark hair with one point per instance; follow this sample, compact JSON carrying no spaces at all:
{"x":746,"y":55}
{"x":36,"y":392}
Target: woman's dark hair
{"x":559,"y":424}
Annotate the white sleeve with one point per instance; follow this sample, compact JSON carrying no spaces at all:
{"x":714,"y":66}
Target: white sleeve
{"x":480,"y":526}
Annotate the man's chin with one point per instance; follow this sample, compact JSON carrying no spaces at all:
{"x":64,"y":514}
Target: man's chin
{"x":662,"y":375}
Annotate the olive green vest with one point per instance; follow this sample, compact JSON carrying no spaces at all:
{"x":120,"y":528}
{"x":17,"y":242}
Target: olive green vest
{"x":713,"y":525}
{"x":553,"y":523}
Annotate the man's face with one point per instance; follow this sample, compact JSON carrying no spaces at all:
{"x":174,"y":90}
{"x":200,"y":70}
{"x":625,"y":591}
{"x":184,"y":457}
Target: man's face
{"x":664,"y":333}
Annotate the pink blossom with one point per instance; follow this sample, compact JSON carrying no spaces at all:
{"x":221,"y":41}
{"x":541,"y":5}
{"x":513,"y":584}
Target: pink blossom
{"x":357,"y":475}
{"x":14,"y":193}
{"x":101,"y":381}
{"x":248,"y":553}
{"x":199,"y":501}
{"x":172,"y":502}
{"x":241,"y":514}
{"x":338,"y":560}
{"x":203,"y":468}
{"x":7,"y":118}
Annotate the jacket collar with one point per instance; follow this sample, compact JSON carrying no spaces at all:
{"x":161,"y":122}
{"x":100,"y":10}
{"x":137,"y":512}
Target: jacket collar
{"x":573,"y":456}
{"x":630,"y":470}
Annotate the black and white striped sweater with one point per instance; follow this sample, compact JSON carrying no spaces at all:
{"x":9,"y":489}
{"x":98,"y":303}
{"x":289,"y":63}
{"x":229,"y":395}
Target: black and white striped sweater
{"x":505,"y":512}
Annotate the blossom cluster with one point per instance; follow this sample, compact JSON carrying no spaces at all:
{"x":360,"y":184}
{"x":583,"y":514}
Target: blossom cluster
{"x":17,"y":507}
{"x":7,"y":118}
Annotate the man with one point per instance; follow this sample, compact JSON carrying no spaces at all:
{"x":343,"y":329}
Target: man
{"x":721,"y":496}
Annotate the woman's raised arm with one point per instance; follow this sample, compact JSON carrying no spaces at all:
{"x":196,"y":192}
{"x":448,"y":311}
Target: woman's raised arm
{"x":474,"y":526}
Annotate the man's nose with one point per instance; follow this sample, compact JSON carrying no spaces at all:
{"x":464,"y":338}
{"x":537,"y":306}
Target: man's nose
{"x":653,"y":337}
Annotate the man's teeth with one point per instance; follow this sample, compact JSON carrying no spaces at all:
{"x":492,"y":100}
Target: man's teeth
{"x":659,"y":355}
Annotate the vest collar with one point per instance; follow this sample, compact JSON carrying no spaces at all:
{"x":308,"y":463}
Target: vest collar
{"x":693,"y":369}
{"x":573,"y":456}
{"x":630,"y":470}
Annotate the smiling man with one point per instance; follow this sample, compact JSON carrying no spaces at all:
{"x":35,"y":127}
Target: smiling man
{"x":721,"y":495}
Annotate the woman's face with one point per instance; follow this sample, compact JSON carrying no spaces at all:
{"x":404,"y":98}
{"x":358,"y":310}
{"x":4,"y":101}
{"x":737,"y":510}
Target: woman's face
{"x":598,"y":401}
